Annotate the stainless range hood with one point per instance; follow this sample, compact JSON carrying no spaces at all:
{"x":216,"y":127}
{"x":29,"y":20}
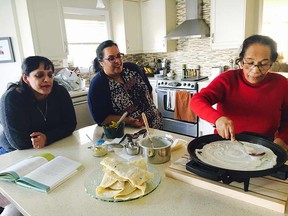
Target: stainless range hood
{"x":194,"y":26}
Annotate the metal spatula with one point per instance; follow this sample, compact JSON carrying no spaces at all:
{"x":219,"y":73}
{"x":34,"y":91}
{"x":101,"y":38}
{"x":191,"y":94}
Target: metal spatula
{"x":249,"y":149}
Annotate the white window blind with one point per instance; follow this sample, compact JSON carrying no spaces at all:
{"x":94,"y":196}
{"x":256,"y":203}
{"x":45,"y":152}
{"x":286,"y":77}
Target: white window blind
{"x":85,"y":30}
{"x":275,"y":24}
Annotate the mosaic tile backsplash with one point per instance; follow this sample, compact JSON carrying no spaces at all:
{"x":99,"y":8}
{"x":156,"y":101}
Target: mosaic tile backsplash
{"x":191,"y":51}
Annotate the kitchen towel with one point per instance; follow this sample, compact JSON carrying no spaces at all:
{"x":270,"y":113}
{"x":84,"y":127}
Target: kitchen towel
{"x":182,"y":109}
{"x":171,"y":100}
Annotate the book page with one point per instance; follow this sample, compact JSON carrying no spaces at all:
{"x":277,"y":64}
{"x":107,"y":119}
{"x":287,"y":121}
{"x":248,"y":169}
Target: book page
{"x":53,"y":173}
{"x":23,"y":167}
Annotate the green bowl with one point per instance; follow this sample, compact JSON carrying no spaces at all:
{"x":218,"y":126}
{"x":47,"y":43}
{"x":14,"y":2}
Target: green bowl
{"x":112,"y":133}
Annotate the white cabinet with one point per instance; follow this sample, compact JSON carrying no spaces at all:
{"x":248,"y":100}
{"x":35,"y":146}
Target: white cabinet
{"x":41,"y":28}
{"x":158,"y":19}
{"x":126,"y":25}
{"x":154,"y":93}
{"x":232,"y":21}
{"x":205,"y":127}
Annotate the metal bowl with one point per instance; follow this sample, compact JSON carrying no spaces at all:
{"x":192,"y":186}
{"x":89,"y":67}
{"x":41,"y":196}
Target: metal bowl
{"x":132,"y":148}
{"x":159,"y":152}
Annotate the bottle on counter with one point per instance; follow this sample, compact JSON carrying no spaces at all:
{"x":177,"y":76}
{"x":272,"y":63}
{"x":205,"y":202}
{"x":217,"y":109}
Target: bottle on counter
{"x":184,"y":71}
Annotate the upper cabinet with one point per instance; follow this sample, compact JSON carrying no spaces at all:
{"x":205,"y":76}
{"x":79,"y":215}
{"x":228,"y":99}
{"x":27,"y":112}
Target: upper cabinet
{"x":41,"y":28}
{"x":158,"y":19}
{"x":126,"y":25}
{"x":232,"y":21}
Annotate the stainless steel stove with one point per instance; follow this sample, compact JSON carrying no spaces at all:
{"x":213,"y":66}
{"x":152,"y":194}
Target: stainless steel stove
{"x":164,"y":87}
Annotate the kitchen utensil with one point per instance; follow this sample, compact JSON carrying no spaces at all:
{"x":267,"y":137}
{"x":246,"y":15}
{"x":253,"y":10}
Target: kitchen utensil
{"x":132,"y":148}
{"x":147,"y":128}
{"x":250,"y":150}
{"x":137,"y":134}
{"x":227,"y":175}
{"x":160,"y":152}
{"x":114,"y":132}
{"x":121,"y":119}
{"x":98,"y":151}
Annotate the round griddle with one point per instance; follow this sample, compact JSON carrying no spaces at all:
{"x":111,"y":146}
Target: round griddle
{"x":226,"y":175}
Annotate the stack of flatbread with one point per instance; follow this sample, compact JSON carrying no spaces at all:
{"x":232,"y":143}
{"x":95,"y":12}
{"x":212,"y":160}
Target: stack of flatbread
{"x":123,"y":180}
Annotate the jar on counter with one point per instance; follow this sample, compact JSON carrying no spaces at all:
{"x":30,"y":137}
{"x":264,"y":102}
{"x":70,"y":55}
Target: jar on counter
{"x":184,"y":71}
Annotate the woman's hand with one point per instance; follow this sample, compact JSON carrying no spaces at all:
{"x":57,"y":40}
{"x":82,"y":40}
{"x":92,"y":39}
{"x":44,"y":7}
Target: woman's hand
{"x":134,"y":122}
{"x":38,"y":140}
{"x":281,"y":143}
{"x":225,"y":128}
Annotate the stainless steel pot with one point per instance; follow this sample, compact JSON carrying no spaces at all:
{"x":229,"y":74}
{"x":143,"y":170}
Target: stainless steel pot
{"x":160,"y":152}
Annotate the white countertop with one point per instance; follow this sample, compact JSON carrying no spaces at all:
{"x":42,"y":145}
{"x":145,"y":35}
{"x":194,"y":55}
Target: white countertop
{"x":78,"y":93}
{"x":172,"y":197}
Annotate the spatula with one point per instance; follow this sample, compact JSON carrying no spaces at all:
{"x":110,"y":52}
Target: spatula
{"x":147,"y":128}
{"x":121,"y":119}
{"x":249,"y":150}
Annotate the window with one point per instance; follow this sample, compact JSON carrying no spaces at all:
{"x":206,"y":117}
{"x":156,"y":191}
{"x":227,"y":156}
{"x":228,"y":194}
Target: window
{"x":275,"y":24}
{"x":85,"y":30}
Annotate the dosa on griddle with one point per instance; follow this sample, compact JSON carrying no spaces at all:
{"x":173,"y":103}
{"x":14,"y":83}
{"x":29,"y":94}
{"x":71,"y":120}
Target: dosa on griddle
{"x":230,"y":155}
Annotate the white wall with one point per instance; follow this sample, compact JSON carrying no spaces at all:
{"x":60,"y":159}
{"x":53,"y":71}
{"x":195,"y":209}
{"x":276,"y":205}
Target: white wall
{"x":9,"y":72}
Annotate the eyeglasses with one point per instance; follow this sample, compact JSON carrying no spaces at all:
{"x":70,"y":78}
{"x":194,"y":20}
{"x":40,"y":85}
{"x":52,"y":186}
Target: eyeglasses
{"x":112,"y":58}
{"x":261,"y":67}
{"x":41,"y":75}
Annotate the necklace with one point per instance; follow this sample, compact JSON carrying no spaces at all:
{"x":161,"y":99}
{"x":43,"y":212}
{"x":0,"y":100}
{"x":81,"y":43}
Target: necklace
{"x":44,"y":116}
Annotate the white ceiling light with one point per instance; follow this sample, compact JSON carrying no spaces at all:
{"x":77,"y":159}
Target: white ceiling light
{"x":100,"y":4}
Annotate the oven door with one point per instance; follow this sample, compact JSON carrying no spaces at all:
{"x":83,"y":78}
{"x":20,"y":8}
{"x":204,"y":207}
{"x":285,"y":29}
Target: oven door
{"x":171,"y":124}
{"x":162,"y":103}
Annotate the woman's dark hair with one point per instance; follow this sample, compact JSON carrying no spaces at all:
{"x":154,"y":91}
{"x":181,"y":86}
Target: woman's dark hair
{"x":261,"y":39}
{"x":100,"y":54}
{"x":31,"y":63}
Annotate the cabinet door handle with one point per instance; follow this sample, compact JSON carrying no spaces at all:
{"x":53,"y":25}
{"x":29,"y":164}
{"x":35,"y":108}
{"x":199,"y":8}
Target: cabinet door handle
{"x":79,"y":103}
{"x":212,"y":37}
{"x":128,"y":45}
{"x":66,"y":47}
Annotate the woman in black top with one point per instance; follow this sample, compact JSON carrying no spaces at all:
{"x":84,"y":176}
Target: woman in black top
{"x":36,"y":111}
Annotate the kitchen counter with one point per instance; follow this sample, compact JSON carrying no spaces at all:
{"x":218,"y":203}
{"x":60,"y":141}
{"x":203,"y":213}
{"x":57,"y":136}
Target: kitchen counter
{"x":172,"y":197}
{"x":78,"y":93}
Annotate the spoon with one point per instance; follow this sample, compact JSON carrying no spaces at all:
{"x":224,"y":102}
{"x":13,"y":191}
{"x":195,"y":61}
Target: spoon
{"x":94,"y":147}
{"x":121,"y":119}
{"x":147,"y":128}
{"x":249,"y":150}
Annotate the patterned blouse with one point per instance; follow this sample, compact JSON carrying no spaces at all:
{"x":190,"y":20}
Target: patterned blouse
{"x":132,"y":96}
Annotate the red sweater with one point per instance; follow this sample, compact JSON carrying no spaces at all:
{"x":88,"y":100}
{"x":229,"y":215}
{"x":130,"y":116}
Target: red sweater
{"x":261,"y":108}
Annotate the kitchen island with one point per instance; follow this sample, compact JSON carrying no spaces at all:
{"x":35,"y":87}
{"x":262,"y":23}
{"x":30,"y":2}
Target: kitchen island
{"x":172,"y":197}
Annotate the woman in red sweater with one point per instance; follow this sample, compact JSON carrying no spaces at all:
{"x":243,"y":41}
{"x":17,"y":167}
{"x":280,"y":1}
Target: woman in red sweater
{"x":250,"y":99}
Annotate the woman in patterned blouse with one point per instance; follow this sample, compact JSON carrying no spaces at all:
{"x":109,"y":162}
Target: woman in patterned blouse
{"x":119,"y":87}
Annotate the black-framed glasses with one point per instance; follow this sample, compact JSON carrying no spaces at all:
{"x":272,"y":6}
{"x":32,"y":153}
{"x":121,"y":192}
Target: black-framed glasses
{"x":40,"y":75}
{"x":112,"y":58}
{"x":262,"y":67}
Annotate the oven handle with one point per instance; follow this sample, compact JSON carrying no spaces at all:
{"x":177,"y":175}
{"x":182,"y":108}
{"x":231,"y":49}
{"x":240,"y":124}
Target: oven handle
{"x":165,"y":90}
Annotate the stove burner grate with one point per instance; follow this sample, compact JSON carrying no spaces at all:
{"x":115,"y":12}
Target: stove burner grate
{"x":224,"y":175}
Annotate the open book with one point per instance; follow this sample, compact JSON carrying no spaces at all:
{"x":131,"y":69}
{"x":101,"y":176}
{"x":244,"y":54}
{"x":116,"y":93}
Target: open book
{"x":42,"y":172}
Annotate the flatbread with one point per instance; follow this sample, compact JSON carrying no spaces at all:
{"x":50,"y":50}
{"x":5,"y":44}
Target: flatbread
{"x":230,"y":155}
{"x":123,"y":181}
{"x":135,"y":174}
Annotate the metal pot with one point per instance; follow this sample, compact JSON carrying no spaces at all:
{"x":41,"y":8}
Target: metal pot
{"x":159,"y":152}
